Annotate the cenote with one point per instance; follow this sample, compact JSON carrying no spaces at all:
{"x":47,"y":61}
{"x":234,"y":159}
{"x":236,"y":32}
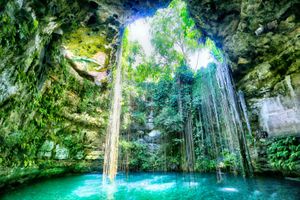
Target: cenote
{"x":162,"y":186}
{"x":149,"y":99}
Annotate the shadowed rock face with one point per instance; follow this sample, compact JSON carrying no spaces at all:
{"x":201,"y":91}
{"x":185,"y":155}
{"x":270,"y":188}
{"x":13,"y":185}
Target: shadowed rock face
{"x":130,"y":10}
{"x":261,"y":41}
{"x":44,"y":100}
{"x":30,"y":27}
{"x":54,"y":96}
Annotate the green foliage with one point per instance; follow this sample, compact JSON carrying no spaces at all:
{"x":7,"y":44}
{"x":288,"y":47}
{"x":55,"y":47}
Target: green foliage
{"x":139,"y":156}
{"x":153,"y":82}
{"x":139,"y":117}
{"x":229,"y":160}
{"x":284,"y":153}
{"x":204,"y":164}
{"x":214,"y":49}
{"x":169,"y":120}
{"x":35,"y":114}
{"x":184,"y":74}
{"x":164,"y":85}
{"x":39,"y":116}
{"x":174,"y":35}
{"x":163,"y":93}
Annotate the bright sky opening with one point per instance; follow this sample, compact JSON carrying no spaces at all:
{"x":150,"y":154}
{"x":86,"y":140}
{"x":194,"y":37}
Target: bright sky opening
{"x":201,"y":58}
{"x":140,"y":31}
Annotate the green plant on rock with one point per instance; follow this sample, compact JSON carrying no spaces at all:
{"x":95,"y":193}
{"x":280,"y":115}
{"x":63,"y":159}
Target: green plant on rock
{"x":138,"y":155}
{"x":205,"y":164}
{"x":169,"y":120}
{"x":229,"y":160}
{"x":284,"y":153}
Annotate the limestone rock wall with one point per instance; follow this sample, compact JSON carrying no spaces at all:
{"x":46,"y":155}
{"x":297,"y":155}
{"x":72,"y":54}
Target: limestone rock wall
{"x":55,"y":73}
{"x":261,"y":42}
{"x":49,"y":113}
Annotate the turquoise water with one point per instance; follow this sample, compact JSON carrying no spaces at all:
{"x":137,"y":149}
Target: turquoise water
{"x":158,"y":186}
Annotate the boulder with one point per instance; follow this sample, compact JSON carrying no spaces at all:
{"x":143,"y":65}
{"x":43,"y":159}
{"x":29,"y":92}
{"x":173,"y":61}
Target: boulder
{"x":152,"y":147}
{"x":153,"y":137}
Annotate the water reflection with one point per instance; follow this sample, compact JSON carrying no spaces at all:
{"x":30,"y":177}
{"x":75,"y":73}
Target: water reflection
{"x":158,"y":186}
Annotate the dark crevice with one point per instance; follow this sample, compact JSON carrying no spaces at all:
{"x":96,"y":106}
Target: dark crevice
{"x":224,"y":15}
{"x":293,"y":9}
{"x":93,"y":5}
{"x":92,"y":20}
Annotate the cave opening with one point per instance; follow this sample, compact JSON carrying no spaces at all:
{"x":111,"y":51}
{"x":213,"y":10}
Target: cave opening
{"x":175,"y":88}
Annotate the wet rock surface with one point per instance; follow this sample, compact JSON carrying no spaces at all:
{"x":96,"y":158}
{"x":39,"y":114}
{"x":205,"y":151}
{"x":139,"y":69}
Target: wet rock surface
{"x":261,"y":41}
{"x":46,"y":149}
{"x":50,"y":111}
{"x":61,"y":153}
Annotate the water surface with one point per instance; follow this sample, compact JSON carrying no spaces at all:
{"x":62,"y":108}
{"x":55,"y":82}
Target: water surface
{"x":158,"y":186}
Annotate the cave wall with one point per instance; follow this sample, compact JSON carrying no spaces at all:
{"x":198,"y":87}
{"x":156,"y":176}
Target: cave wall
{"x":261,"y":42}
{"x":49,"y":114}
{"x":55,"y":78}
{"x":260,"y":39}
